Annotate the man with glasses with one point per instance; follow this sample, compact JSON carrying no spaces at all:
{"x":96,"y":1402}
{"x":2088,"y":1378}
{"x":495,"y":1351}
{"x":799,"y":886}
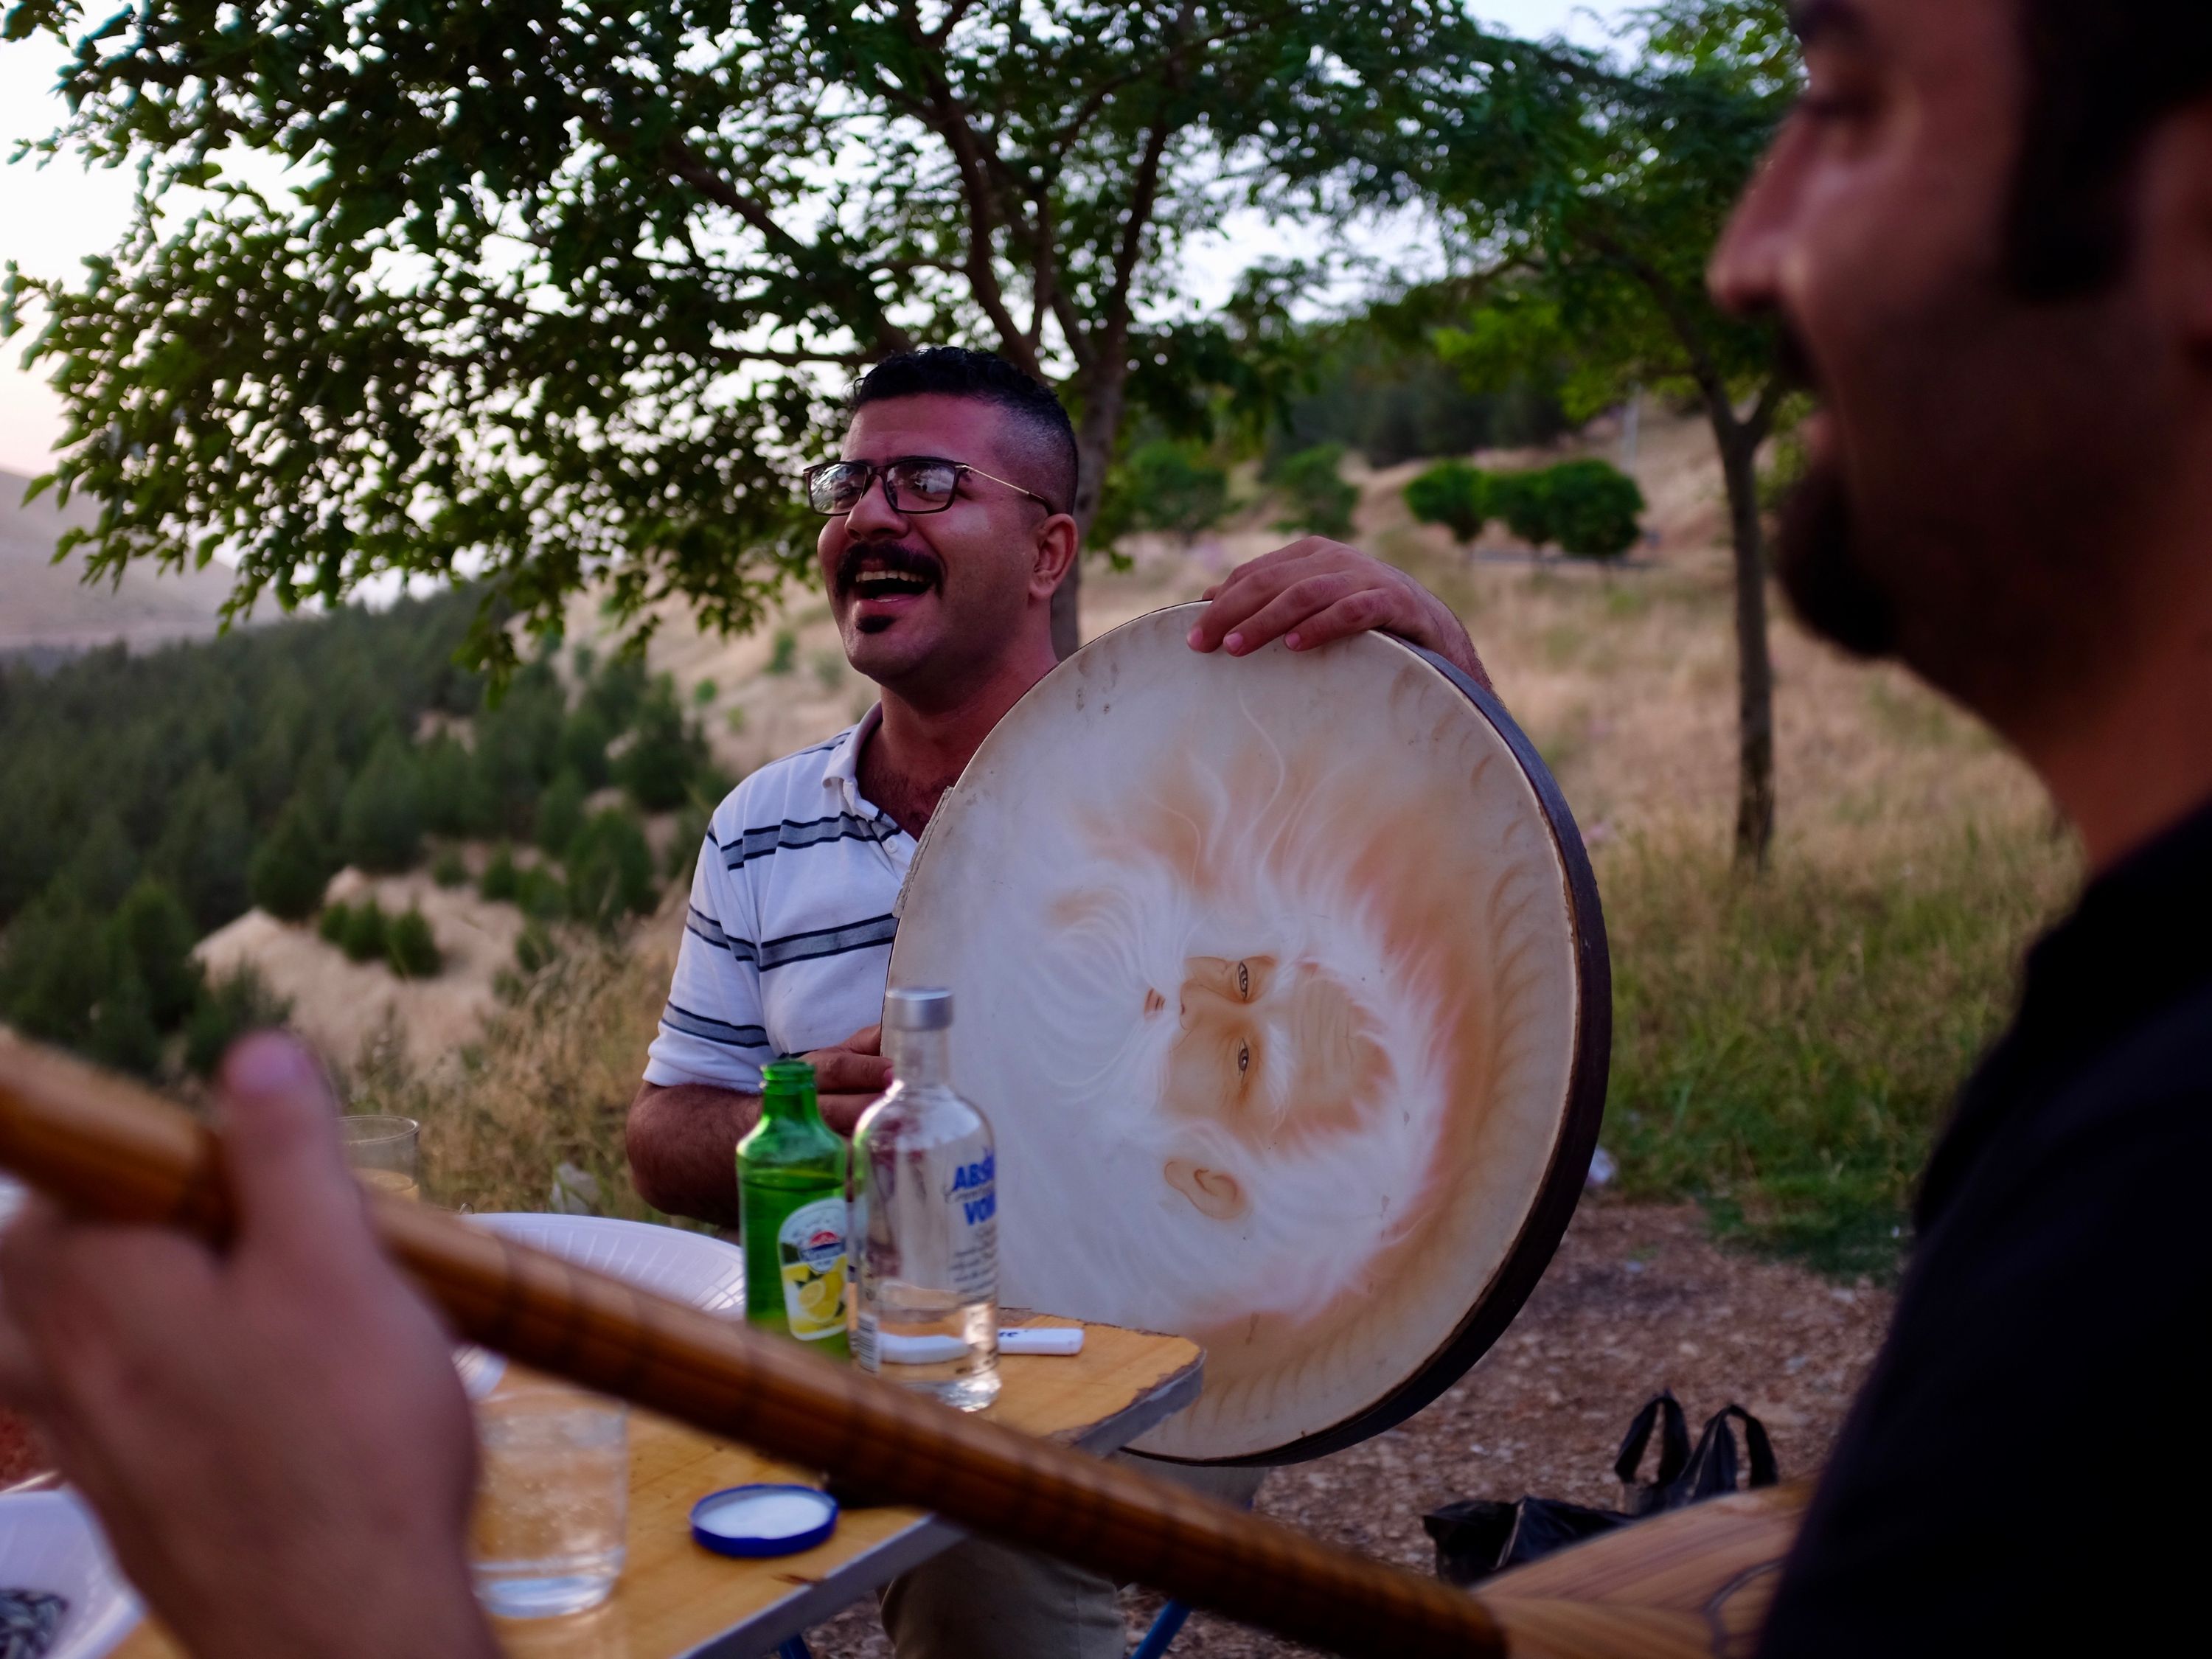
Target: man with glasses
{"x":945,"y":531}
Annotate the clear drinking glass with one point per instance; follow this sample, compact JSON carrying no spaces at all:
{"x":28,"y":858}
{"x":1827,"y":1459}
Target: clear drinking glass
{"x":384,"y":1151}
{"x":552,"y":1510}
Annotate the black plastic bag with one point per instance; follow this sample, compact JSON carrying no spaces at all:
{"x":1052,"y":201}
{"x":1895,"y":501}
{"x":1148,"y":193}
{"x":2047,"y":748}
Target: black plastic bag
{"x":1477,"y":1538}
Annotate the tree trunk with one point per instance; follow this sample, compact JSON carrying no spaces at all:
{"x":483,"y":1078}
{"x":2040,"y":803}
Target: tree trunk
{"x":1754,"y":811}
{"x":1103,"y":403}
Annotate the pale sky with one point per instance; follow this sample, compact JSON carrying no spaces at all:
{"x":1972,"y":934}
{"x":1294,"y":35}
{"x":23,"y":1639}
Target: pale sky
{"x":51,"y":218}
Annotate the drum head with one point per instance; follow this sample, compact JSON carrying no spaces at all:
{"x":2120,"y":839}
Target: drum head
{"x":1282,"y":983}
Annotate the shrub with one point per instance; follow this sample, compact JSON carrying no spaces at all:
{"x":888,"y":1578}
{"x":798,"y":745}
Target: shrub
{"x":454,"y":800}
{"x":381,"y":825}
{"x":560,"y":812}
{"x":665,"y":753}
{"x":1594,"y":508}
{"x":584,"y":742}
{"x":535,"y":950}
{"x":291,"y":867}
{"x":783,"y":652}
{"x":105,"y":865}
{"x":538,"y":892}
{"x":411,"y":947}
{"x":227,"y":1010}
{"x":499,"y":884}
{"x":205,"y":848}
{"x":1523,"y":501}
{"x":50,"y":980}
{"x":123,"y":1032}
{"x":150,"y":938}
{"x":1316,"y":495}
{"x":449,"y":869}
{"x":331,"y":924}
{"x":365,"y":935}
{"x":1454,"y":495}
{"x":689,"y":840}
{"x":610,"y":870}
{"x":1164,"y":486}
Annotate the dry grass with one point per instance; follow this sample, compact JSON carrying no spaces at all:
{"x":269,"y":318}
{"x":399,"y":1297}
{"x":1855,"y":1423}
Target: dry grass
{"x":548,"y":1084}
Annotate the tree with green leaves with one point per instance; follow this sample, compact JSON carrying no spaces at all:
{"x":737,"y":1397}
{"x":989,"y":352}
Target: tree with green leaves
{"x":1167,"y":486}
{"x":1588,"y":198}
{"x":1315,"y":496}
{"x":564,"y":292}
{"x":1454,"y":495}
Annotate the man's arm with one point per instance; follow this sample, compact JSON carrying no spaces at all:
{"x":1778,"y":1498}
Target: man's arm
{"x":682,"y":1137}
{"x":1316,"y":591}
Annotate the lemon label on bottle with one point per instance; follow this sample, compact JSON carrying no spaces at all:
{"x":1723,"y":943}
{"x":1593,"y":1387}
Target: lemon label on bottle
{"x":810,"y":1252}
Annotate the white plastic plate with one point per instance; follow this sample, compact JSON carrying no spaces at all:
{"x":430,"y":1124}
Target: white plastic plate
{"x":50,"y":1542}
{"x":692,"y":1267}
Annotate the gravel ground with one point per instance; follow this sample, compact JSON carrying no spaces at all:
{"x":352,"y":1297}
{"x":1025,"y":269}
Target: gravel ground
{"x":1637,"y":1300}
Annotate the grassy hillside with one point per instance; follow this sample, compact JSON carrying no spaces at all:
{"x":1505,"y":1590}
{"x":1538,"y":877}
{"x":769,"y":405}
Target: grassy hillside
{"x":147,"y":800}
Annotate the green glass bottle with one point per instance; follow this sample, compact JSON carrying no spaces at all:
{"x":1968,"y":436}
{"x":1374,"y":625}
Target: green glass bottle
{"x":791,"y":1208}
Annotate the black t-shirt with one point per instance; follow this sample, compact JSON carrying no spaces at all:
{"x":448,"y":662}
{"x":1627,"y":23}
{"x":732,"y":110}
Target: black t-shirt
{"x":2026,"y":1469}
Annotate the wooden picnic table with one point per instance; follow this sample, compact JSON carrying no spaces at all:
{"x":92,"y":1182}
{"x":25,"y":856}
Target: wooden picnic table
{"x":677,"y":1599}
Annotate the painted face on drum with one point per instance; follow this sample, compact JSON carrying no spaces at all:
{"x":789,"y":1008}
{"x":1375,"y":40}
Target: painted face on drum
{"x":1278,"y":1054}
{"x":927,"y":602}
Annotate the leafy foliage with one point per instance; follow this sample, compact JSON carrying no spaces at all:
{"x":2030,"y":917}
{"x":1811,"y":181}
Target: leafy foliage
{"x":1454,"y":495}
{"x":1594,"y":508}
{"x":564,"y":291}
{"x":1588,"y":199}
{"x":411,"y":947}
{"x":145,"y":801}
{"x":380,"y":824}
{"x":610,"y":872}
{"x":291,"y":867}
{"x":667,"y":754}
{"x":1168,"y":486}
{"x":1313,"y":492}
{"x":234,"y":1004}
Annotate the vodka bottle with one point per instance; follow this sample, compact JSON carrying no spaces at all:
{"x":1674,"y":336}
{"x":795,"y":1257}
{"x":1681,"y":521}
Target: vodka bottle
{"x":925,"y":1219}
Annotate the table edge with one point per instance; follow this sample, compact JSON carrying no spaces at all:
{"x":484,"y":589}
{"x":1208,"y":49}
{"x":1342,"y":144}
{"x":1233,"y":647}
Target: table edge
{"x":809,"y":1605}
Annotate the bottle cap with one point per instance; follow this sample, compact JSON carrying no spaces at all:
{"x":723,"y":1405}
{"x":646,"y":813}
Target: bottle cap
{"x":917,"y":1009}
{"x":764,"y":1519}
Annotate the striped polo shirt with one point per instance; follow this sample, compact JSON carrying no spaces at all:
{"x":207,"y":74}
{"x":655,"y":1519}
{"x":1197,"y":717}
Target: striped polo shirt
{"x":788,"y":941}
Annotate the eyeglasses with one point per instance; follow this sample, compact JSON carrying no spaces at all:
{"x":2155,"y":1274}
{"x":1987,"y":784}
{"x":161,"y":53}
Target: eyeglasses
{"x":912,"y":484}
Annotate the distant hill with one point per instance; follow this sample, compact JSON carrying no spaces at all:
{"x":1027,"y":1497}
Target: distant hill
{"x":46,"y":610}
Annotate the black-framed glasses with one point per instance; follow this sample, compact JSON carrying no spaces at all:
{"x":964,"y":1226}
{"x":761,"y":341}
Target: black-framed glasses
{"x":912,"y":484}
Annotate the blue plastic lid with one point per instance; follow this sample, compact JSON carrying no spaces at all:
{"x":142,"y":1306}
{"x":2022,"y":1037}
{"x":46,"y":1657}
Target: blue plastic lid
{"x":764,"y":1519}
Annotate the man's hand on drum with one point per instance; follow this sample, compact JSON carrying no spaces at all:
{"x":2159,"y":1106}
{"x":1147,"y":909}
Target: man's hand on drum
{"x":273,"y":1435}
{"x":849,"y":1078}
{"x":1316,"y":591}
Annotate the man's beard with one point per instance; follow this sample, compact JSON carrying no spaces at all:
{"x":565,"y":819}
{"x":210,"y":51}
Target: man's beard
{"x":1824,"y":572}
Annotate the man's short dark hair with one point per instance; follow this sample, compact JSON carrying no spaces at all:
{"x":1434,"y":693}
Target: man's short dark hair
{"x":2103,"y":75}
{"x":1046,"y":435}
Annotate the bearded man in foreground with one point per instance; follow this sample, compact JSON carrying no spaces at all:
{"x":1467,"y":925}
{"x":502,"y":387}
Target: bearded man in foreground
{"x":1989,"y":228}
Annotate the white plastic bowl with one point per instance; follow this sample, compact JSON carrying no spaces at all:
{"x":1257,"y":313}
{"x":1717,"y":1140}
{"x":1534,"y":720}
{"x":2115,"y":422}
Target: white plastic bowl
{"x":50,"y":1542}
{"x":691,"y":1267}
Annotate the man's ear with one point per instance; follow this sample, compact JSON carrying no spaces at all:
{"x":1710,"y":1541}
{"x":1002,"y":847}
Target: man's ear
{"x":2176,"y":228}
{"x":1057,"y":540}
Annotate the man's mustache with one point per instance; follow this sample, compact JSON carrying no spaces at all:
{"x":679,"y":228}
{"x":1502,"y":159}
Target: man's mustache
{"x":887,"y":555}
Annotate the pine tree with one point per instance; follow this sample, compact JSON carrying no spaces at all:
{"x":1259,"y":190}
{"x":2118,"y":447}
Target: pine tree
{"x":291,"y":867}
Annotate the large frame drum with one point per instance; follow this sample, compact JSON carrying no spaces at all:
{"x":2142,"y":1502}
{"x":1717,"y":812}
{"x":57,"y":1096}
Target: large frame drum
{"x":1283,"y":982}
